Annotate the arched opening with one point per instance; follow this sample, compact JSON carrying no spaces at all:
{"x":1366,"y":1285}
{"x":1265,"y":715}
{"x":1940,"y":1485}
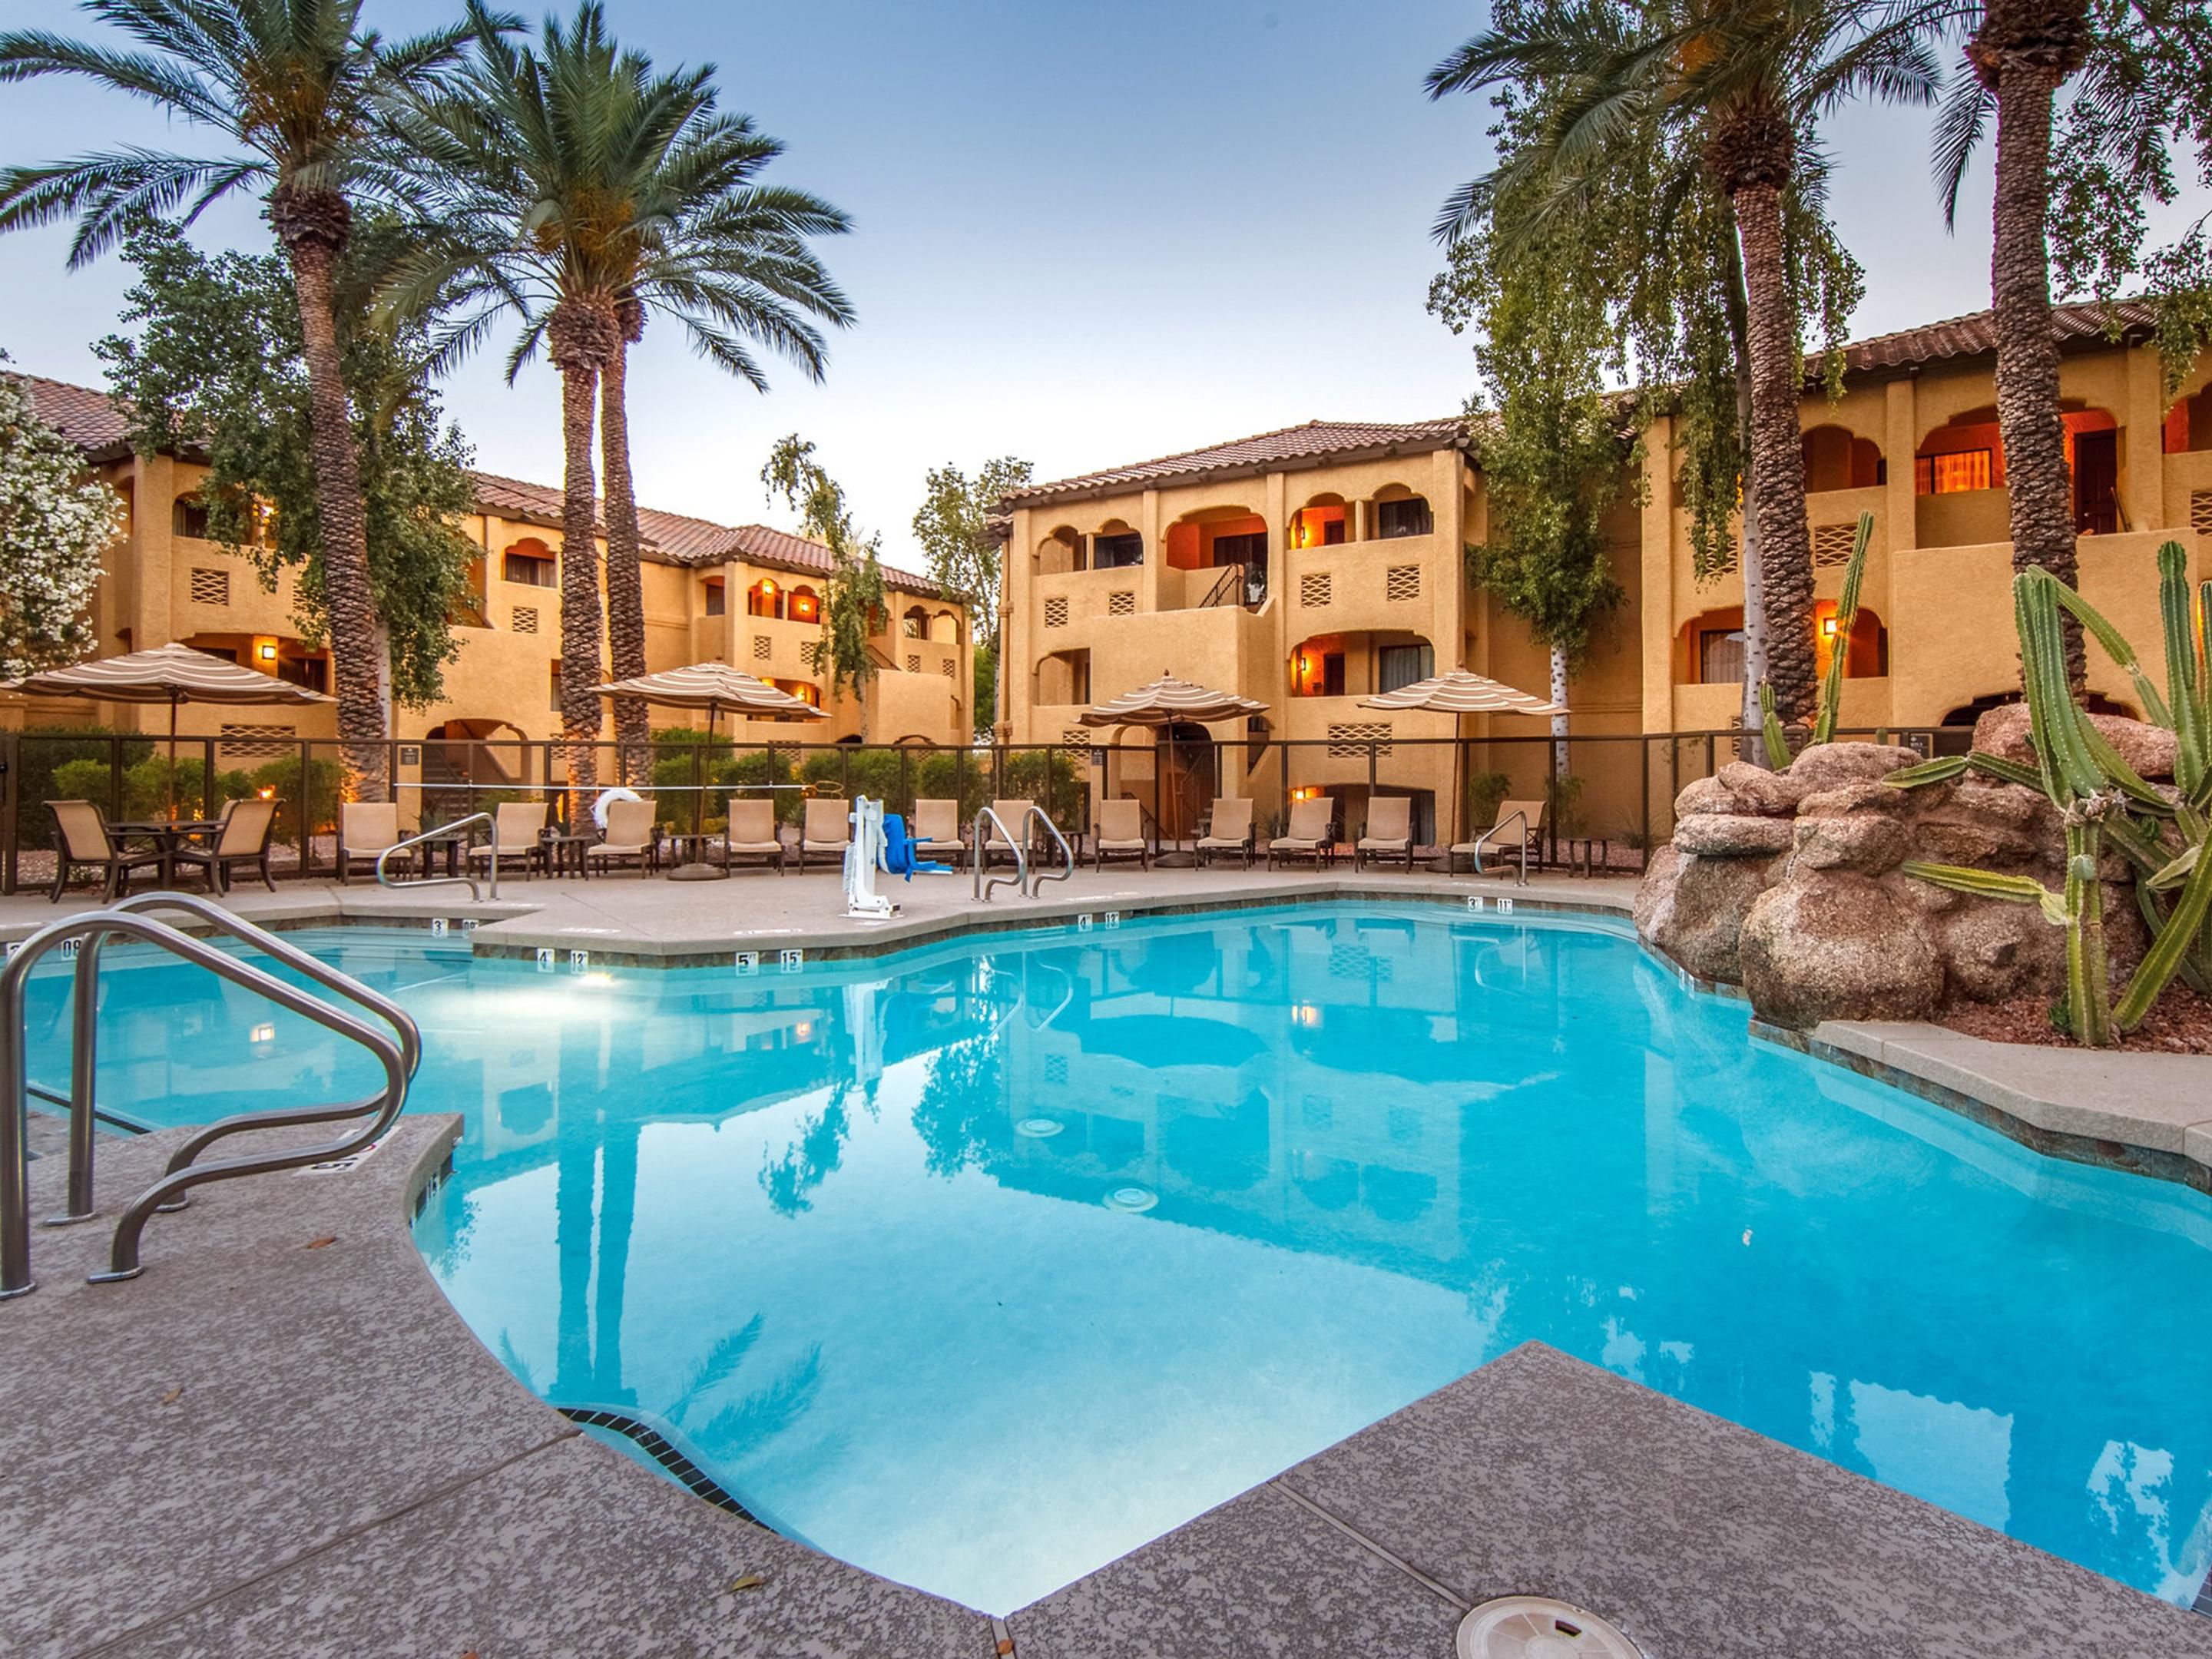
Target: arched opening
{"x":188,"y":516}
{"x":529,"y":563}
{"x":765,"y":599}
{"x":2188,"y":427}
{"x":1836,"y":458}
{"x":1064,"y":676}
{"x":1185,"y":767}
{"x":1217,"y":536}
{"x":1061,"y":552}
{"x":1964,"y":458}
{"x":806,"y":690}
{"x":914,"y":624}
{"x":1708,"y":650}
{"x":801,"y":603}
{"x":1364,"y":663}
{"x":1399,"y":512}
{"x":1866,"y":654}
{"x":2092,"y":455}
{"x":1321,"y":522}
{"x":945,"y":628}
{"x":1115,"y":546}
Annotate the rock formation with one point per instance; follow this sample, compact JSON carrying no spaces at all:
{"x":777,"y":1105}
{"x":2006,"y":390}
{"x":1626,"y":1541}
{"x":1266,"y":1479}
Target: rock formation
{"x":1787,"y":882}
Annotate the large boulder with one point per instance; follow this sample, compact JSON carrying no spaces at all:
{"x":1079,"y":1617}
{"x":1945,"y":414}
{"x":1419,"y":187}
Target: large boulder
{"x":1691,"y":909}
{"x":1836,"y":944}
{"x":1868,"y":843}
{"x":2149,"y":749}
{"x":1828,"y":765}
{"x":1993,"y":953}
{"x":1732,"y":835}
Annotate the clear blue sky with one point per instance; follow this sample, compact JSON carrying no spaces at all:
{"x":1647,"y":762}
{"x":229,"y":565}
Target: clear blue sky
{"x":1086,"y":234}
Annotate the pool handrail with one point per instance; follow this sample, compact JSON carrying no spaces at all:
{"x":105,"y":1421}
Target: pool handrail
{"x":1041,"y":875}
{"x":14,"y":1163}
{"x":984,"y":885}
{"x":1523,"y":819}
{"x":444,"y":831}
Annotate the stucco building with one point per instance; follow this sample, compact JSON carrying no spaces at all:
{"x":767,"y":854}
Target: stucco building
{"x":1309,"y":567}
{"x":745,"y":595}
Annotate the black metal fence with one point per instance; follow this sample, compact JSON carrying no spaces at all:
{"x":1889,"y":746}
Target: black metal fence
{"x":1614,"y":792}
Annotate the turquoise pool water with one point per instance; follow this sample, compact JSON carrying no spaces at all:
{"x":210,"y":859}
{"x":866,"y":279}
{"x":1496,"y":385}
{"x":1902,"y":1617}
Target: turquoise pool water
{"x":981,"y":1265}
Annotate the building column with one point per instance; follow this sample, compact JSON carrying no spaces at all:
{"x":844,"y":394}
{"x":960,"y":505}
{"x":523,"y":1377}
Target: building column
{"x":2142,"y":449}
{"x":1658,"y":563}
{"x":1155,"y":554}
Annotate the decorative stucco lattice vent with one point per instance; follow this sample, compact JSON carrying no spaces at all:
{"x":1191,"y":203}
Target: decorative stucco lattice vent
{"x":211,"y":587}
{"x":1832,"y":545}
{"x":950,"y":667}
{"x":525,"y":619}
{"x":1312,"y":588}
{"x":764,"y":647}
{"x":811,"y":653}
{"x":1075,"y":736}
{"x":1351,"y":737}
{"x":1357,"y":962}
{"x":913,"y":662}
{"x":2200,"y":512}
{"x":1055,"y":612}
{"x":258,"y":741}
{"x":1121,"y":604}
{"x":1055,"y":1068}
{"x":1402,"y":581}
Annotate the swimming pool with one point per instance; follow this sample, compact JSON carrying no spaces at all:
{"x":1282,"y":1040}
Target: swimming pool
{"x":979,"y":1265}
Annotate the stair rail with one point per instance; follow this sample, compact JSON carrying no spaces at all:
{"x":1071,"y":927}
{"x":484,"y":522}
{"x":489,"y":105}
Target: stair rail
{"x":1041,"y":875}
{"x":1228,"y":588}
{"x":985,"y":883}
{"x":381,"y":1108}
{"x":1521,"y":818}
{"x":443,"y":832}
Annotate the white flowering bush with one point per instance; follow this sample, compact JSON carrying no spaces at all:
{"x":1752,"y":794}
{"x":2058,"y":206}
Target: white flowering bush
{"x":55,"y":523}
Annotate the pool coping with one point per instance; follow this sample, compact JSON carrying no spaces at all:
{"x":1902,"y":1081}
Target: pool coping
{"x":495,"y":1527}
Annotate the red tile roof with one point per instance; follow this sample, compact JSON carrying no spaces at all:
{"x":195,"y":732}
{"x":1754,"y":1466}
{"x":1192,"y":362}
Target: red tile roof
{"x":1286,"y":448}
{"x":1975,"y":335}
{"x":90,"y":417}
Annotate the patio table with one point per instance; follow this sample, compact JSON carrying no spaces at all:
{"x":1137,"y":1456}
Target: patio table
{"x":168,"y":835}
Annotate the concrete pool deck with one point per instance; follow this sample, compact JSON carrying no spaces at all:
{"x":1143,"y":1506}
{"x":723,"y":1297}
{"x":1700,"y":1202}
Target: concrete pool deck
{"x":282,"y":1440}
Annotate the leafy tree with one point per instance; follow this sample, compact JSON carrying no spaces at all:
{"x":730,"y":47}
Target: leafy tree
{"x":295,"y":85}
{"x":953,"y":527}
{"x":1741,"y":85}
{"x":853,"y":603}
{"x":55,"y":523}
{"x":214,"y":365}
{"x":2074,"y":171}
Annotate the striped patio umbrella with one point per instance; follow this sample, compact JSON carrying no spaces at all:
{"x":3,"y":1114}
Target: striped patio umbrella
{"x":1169,"y":701}
{"x":174,"y":674}
{"x":1455,"y":692}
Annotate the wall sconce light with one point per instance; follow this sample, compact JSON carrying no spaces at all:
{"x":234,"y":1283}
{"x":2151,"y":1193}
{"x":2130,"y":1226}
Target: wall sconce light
{"x":766,"y":587}
{"x":266,"y":652}
{"x":1827,"y":627}
{"x":1304,"y":667}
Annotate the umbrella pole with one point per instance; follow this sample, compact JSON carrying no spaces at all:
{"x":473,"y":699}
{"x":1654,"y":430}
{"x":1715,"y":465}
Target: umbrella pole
{"x":173,"y":701}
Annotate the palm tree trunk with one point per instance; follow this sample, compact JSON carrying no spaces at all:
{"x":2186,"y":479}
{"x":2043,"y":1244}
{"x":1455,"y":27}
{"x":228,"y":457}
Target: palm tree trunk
{"x":1777,"y":457}
{"x":361,"y":667}
{"x":625,"y":584}
{"x":2040,"y":488}
{"x":580,"y":621}
{"x":1751,"y":746}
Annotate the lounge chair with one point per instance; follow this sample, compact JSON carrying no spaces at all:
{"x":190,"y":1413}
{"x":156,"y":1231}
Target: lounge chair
{"x":1228,"y":830}
{"x":630,"y":835}
{"x":827,"y":831}
{"x":366,"y":828}
{"x":514,"y":827}
{"x":1120,"y":833}
{"x":1389,"y":832}
{"x":82,"y":840}
{"x":751,"y":834}
{"x":1312,"y":833}
{"x":1014,"y":814}
{"x":244,"y":831}
{"x":1519,"y":826}
{"x":937,"y":831}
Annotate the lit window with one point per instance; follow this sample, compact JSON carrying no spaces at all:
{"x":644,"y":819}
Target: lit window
{"x":1949,"y":474}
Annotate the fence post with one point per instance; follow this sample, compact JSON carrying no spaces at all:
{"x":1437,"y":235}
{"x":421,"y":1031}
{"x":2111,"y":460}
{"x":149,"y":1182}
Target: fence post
{"x":1552,"y":802}
{"x":302,"y":819}
{"x":115,"y":777}
{"x":1643,"y":755}
{"x":699,"y":795}
{"x":11,"y":818}
{"x":207,"y":778}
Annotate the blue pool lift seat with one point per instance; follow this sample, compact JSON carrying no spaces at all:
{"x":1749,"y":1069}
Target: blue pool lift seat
{"x":899,"y":855}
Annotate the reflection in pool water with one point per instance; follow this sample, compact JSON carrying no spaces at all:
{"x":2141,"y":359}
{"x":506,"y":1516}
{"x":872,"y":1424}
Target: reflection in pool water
{"x":981,"y":1265}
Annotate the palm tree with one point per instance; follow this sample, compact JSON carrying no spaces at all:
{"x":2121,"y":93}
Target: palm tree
{"x":295,"y":85}
{"x":728,"y":258}
{"x":1750,"y":80}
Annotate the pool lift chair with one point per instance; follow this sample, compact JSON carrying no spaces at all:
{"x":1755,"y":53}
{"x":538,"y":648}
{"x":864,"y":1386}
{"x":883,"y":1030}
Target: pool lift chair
{"x":375,"y":1023}
{"x":879,"y":841}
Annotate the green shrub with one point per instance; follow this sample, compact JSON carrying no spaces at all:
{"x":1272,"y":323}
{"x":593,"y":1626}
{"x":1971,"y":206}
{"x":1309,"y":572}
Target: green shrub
{"x":320,"y":796}
{"x":1485,"y":792}
{"x":44,"y":751}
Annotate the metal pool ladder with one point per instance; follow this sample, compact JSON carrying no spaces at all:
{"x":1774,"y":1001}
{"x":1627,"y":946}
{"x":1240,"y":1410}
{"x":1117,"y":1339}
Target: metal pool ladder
{"x":443,"y":832}
{"x":1024,"y":880}
{"x":397,"y":1050}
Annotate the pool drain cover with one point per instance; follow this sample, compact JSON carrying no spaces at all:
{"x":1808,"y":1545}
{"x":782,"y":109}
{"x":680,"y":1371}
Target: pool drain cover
{"x":1537,"y":1627}
{"x":1131,"y":1200}
{"x":1039,"y":1128}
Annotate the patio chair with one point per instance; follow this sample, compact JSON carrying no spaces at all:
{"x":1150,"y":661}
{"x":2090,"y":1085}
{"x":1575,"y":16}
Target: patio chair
{"x":243,"y":836}
{"x":826,"y":832}
{"x":751,"y":834}
{"x":82,"y":840}
{"x":631,"y":834}
{"x":514,"y":827}
{"x":1228,"y":830}
{"x":1120,"y":833}
{"x":1013,"y":813}
{"x":937,"y":831}
{"x":1389,"y":833}
{"x":1312,"y":832}
{"x":366,"y":828}
{"x":1519,"y":825}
